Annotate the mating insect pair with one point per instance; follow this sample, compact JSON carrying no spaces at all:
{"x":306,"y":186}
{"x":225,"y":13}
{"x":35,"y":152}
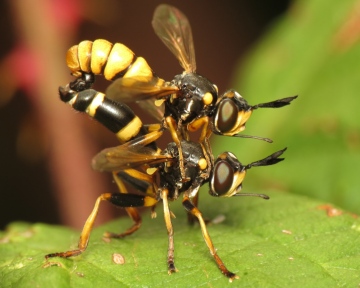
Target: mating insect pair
{"x":191,"y":102}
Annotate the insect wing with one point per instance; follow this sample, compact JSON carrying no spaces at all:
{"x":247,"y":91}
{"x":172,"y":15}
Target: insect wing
{"x":130,"y":155}
{"x":173,"y":28}
{"x":141,"y":91}
{"x":120,"y":158}
{"x":137,"y":89}
{"x":157,"y":112}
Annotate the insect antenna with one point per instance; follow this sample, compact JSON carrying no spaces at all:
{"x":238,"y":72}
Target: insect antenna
{"x":275,"y":104}
{"x":254,"y":137}
{"x":270,"y":160}
{"x":264,"y":196}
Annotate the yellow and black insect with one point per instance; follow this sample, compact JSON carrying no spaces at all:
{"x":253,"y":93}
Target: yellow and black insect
{"x":128,"y":162}
{"x":225,"y":180}
{"x":191,"y":101}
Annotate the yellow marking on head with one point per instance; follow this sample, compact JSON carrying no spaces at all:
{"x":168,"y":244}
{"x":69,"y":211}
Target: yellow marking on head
{"x":95,"y":103}
{"x":99,"y":55}
{"x":140,"y":68}
{"x":247,"y":115}
{"x":222,"y":156}
{"x":242,"y":118}
{"x":130,"y":130}
{"x":237,"y":180}
{"x":84,"y":55}
{"x":208,"y":98}
{"x":202,"y":164}
{"x":119,"y":59}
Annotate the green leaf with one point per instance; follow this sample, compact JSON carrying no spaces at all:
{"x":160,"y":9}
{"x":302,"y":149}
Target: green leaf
{"x":313,"y":52}
{"x":288,"y":241}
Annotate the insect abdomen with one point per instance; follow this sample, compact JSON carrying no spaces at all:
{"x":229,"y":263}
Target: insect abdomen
{"x":102,"y":57}
{"x":116,"y":116}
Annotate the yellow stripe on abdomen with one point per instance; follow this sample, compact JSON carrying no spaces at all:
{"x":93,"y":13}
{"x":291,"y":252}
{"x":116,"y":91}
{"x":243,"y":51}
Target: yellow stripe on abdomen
{"x":130,"y":130}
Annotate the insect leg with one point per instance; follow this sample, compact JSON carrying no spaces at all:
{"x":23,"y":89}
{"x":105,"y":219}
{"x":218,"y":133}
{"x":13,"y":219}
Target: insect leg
{"x":118,"y":199}
{"x":142,"y":181}
{"x":204,"y":138}
{"x":170,"y":230}
{"x":190,"y":207}
{"x":191,"y":217}
{"x":171,"y":125}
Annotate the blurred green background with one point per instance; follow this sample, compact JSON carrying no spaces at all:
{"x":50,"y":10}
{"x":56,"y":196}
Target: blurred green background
{"x":313,"y":52}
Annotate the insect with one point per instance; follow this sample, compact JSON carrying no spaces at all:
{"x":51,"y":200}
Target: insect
{"x":225,"y":180}
{"x":191,"y":101}
{"x":139,"y":150}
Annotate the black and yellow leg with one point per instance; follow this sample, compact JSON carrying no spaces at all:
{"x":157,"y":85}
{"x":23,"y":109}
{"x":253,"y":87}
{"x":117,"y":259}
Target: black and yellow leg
{"x":135,"y":216}
{"x":131,"y":211}
{"x":170,"y":230}
{"x":197,"y":124}
{"x":190,"y":207}
{"x":171,"y":125}
{"x":204,"y":138}
{"x":118,"y":199}
{"x":85,"y":234}
{"x":207,"y":131}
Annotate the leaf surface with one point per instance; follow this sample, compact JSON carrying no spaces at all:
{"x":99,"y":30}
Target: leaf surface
{"x":288,"y":241}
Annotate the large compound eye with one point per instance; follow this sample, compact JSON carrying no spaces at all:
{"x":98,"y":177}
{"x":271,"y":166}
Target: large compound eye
{"x":227,"y":115}
{"x":222,"y":179}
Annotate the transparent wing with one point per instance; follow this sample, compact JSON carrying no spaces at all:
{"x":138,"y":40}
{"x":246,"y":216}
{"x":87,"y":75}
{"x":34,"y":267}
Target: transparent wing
{"x":137,"y":89}
{"x":173,"y":28}
{"x":157,"y":112}
{"x":130,"y":155}
{"x":118,"y":158}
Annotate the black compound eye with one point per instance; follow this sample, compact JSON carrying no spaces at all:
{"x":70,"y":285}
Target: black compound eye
{"x":227,"y":116}
{"x":223,"y":176}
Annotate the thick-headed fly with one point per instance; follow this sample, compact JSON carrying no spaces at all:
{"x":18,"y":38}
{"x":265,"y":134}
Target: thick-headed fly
{"x":191,"y":101}
{"x":128,"y":163}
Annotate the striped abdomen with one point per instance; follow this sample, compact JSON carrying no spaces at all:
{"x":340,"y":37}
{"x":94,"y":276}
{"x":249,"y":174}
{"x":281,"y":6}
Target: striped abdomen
{"x":116,"y":116}
{"x":111,"y":60}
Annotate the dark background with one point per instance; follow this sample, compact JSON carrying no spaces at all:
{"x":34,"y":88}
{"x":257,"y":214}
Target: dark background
{"x":223,"y":32}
